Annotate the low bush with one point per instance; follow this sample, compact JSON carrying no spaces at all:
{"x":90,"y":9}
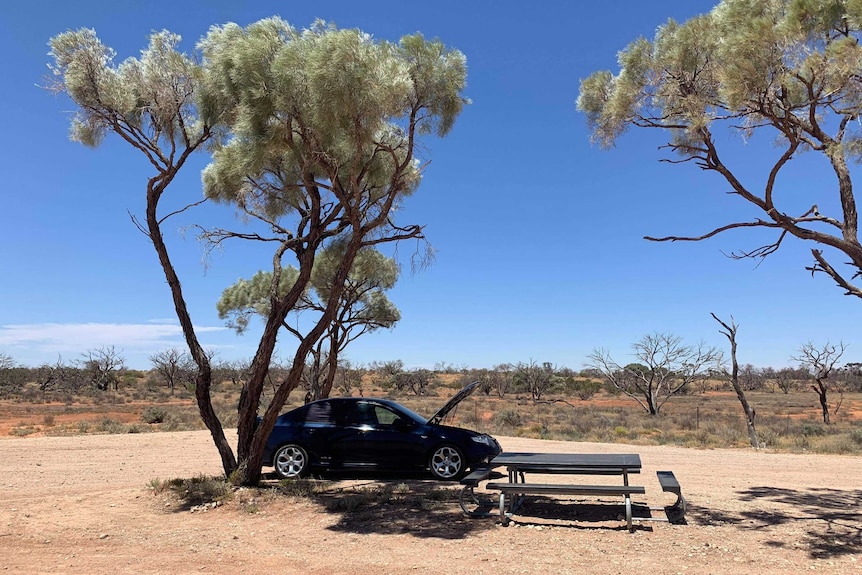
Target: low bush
{"x":154,"y":414}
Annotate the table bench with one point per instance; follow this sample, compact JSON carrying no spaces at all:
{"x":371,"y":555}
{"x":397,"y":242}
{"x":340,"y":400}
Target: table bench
{"x":468,"y":496}
{"x":515,"y":489}
{"x":676,"y":512}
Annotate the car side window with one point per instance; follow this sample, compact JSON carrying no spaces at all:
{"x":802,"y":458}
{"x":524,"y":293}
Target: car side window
{"x":386,"y":416}
{"x":320,"y":412}
{"x":361,"y":413}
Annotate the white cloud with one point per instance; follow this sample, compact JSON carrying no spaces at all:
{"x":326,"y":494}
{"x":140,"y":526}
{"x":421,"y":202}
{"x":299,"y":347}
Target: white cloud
{"x":31,"y":343}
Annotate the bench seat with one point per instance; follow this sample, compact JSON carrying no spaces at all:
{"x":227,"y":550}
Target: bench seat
{"x":563,"y":489}
{"x":477,"y":475}
{"x":669,"y":483}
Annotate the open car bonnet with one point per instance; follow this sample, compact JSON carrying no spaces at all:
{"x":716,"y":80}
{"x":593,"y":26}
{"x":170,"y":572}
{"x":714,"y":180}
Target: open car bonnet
{"x":453,"y":402}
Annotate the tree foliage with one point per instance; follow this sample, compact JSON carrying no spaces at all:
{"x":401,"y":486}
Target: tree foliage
{"x":536,"y":379}
{"x":362,"y":308}
{"x":786,"y":67}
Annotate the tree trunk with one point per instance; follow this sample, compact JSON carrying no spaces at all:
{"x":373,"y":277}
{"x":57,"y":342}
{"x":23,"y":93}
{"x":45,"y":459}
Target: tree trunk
{"x":253,"y":437}
{"x":820,"y":389}
{"x":652,"y":403}
{"x":203,"y":381}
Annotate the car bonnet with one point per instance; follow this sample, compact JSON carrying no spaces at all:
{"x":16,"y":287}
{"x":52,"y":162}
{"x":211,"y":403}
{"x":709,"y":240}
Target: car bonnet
{"x":454,"y":401}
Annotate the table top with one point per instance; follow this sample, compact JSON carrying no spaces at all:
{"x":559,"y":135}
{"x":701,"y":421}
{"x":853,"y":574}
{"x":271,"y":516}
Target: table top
{"x":629,"y":461}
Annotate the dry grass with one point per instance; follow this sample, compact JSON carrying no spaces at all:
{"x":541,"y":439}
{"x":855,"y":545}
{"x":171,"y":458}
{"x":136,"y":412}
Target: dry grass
{"x":786,"y":422}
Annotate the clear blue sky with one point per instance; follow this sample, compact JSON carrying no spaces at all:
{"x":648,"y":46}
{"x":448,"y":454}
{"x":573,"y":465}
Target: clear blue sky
{"x":539,"y":234}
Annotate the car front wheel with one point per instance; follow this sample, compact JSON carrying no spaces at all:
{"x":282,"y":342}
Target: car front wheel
{"x":447,"y":463}
{"x":291,"y":461}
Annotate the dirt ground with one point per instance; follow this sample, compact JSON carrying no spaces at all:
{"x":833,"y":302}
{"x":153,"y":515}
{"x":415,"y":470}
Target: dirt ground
{"x":82,"y":505}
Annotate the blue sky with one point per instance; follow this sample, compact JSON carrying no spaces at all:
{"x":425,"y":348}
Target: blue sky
{"x":538,"y":234}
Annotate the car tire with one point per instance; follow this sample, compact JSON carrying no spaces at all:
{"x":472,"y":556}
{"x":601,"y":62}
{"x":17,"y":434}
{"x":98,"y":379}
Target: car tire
{"x":291,"y":461}
{"x":447,"y":463}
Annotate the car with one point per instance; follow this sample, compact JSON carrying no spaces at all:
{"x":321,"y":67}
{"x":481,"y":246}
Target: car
{"x":369,"y":434}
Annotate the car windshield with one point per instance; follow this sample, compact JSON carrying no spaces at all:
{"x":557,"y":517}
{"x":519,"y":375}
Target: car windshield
{"x":412,"y":415}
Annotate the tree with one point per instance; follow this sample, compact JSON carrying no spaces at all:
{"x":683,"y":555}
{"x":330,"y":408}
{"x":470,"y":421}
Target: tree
{"x":416,"y":381}
{"x":751,"y":378}
{"x":729,"y":331}
{"x":500,"y":377}
{"x":325,"y":125}
{"x":349,"y":376}
{"x":668,"y":368}
{"x":51,"y":376}
{"x":362,"y":308}
{"x":822,"y":361}
{"x":534,"y":378}
{"x":851,"y":374}
{"x":151,"y":103}
{"x":175,"y":366}
{"x":786,"y":67}
{"x":102,"y":367}
{"x":12,"y":376}
{"x":320,"y":130}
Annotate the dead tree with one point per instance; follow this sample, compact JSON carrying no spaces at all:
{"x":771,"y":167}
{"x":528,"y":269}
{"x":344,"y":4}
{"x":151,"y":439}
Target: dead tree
{"x":730,"y":333}
{"x":822,"y":362}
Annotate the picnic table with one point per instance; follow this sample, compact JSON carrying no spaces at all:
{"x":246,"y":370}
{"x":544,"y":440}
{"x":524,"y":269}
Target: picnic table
{"x":519,"y":465}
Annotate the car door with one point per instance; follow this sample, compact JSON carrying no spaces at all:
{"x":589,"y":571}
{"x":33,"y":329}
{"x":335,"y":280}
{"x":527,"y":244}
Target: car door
{"x":347,"y":444}
{"x":377,"y":437}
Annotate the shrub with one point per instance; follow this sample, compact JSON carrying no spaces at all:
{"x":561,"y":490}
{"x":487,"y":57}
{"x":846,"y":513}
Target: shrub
{"x":196,"y":490}
{"x":154,"y":414}
{"x":508,"y":418}
{"x":585,"y":389}
{"x":810,"y":429}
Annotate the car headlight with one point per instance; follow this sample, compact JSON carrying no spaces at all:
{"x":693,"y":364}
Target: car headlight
{"x":483,"y":439}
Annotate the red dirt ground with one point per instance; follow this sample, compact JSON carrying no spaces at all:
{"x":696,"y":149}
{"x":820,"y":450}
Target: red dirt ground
{"x":81,"y":505}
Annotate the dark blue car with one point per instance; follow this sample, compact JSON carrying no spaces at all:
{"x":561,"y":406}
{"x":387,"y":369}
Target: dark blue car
{"x":356,"y":433}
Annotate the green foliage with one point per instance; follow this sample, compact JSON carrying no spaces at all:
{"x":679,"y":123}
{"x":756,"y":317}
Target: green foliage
{"x":510,"y":418}
{"x":154,"y":414}
{"x":153,"y":91}
{"x":584,"y":389}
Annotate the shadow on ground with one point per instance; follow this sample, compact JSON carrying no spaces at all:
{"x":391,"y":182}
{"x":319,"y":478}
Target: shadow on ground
{"x":833,"y":524}
{"x":395,"y":504}
{"x":579,"y":514}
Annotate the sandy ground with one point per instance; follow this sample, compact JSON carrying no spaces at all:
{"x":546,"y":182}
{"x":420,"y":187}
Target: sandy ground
{"x":82,"y":505}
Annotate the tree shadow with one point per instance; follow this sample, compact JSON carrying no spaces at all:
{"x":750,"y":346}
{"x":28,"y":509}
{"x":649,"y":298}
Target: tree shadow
{"x":832,"y":515}
{"x":579,"y":514}
{"x":395,"y":504}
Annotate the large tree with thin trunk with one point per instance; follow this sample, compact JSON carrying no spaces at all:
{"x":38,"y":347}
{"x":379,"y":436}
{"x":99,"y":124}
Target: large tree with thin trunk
{"x":151,"y":103}
{"x":321,"y":129}
{"x":785,"y":68}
